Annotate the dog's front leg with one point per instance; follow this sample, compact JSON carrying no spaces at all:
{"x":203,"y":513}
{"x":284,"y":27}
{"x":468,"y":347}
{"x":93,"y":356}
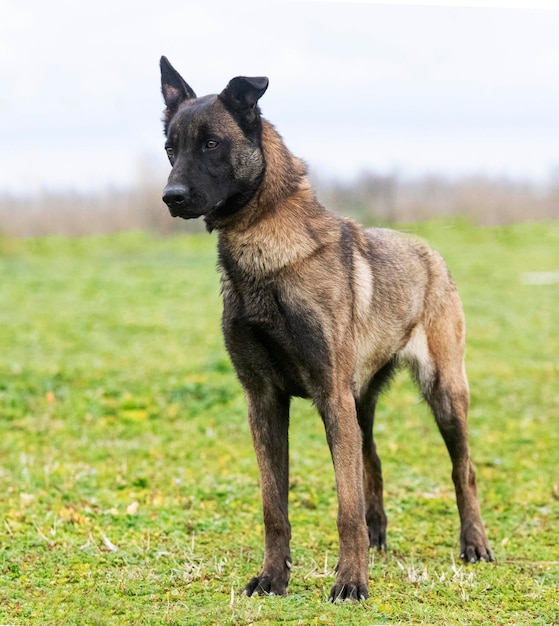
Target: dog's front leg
{"x":345,"y":441}
{"x":269,"y":421}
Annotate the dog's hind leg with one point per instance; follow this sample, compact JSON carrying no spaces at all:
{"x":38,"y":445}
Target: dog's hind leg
{"x":269,"y":422}
{"x":443,"y":381}
{"x":372,"y":468}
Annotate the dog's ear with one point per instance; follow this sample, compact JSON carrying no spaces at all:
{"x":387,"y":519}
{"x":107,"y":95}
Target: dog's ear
{"x":174,"y":88}
{"x":243,"y":92}
{"x":241,"y":97}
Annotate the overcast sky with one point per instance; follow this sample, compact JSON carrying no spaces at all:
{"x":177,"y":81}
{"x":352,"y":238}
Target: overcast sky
{"x":353,"y":86}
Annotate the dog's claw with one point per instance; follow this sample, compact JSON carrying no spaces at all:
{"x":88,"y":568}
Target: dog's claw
{"x":473,"y":555}
{"x":351,"y":591}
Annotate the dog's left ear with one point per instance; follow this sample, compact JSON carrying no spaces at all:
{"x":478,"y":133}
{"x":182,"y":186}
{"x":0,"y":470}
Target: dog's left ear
{"x":242,"y":94}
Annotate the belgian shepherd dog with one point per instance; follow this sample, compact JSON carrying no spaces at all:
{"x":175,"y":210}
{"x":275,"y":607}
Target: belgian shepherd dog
{"x":315,"y":306}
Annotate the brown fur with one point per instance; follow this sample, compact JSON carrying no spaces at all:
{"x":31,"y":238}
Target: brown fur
{"x":315,"y":306}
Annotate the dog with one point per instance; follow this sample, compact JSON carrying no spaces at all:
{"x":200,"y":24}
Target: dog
{"x":314,"y":306}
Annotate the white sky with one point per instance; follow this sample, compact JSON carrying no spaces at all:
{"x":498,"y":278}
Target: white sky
{"x":353,"y":86}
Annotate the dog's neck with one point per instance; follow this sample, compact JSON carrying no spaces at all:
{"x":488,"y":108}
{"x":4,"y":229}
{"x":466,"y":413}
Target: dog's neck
{"x":284,"y":180}
{"x":276,"y":229}
{"x":285,"y":173}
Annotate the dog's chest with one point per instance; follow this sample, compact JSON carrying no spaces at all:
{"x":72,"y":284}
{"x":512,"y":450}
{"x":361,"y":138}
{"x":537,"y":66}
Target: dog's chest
{"x":272,"y":336}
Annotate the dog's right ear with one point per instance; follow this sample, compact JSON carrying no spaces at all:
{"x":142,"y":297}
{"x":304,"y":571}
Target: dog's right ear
{"x":174,"y":88}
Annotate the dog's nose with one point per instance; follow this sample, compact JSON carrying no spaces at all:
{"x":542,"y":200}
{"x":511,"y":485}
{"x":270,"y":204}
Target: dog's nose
{"x":175,"y":196}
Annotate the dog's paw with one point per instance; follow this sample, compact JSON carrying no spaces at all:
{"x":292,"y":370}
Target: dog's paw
{"x":474,"y":546}
{"x":377,"y":537}
{"x":272,"y":581}
{"x":376,"y":526}
{"x":265,"y":586}
{"x":473,"y":554}
{"x":348,"y":591}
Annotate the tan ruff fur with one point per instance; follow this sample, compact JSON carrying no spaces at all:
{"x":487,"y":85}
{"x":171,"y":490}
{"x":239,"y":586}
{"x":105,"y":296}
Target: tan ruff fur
{"x":272,"y":234}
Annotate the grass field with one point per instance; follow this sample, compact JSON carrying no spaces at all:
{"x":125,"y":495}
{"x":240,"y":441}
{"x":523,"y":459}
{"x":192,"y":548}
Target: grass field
{"x":129,"y":489}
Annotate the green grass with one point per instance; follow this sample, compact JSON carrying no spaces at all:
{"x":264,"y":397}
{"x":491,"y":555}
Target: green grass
{"x":128,"y":485}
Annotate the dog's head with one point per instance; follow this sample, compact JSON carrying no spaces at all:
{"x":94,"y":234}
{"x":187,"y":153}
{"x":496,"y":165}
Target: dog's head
{"x":214,"y":146}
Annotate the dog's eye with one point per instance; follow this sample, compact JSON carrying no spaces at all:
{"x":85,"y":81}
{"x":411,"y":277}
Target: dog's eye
{"x":211,"y":144}
{"x":170,"y":153}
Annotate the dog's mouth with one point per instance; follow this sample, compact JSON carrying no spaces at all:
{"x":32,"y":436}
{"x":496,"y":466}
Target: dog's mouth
{"x":191,"y":213}
{"x":185,"y":214}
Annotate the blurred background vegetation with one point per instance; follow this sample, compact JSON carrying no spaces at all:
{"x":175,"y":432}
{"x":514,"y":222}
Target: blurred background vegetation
{"x":370,"y":197}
